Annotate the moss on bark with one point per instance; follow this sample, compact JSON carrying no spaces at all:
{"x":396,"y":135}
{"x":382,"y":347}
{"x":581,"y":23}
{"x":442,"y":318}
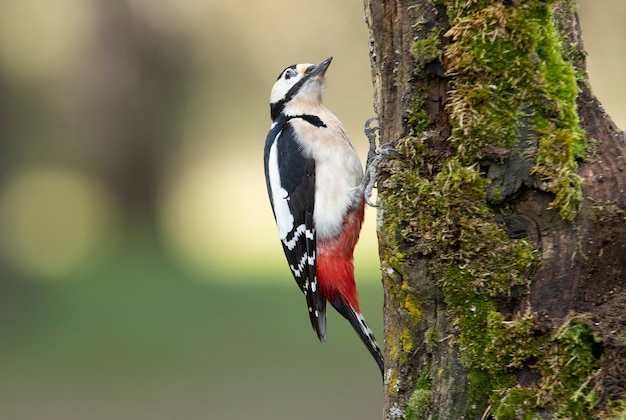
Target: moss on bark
{"x":512,"y":95}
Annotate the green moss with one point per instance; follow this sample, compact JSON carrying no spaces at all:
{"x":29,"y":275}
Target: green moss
{"x":567,"y":365}
{"x":435,"y":208}
{"x":426,"y":50}
{"x":508,"y":344}
{"x":489,"y":101}
{"x":615,"y":410}
{"x":477,"y":262}
{"x":419,"y":405}
{"x":489,"y":96}
{"x":418,"y":120}
{"x":568,"y":369}
{"x":518,"y":403}
{"x":494,"y":350}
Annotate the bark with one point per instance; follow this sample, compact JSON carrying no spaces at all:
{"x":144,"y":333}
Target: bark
{"x":503,"y":251}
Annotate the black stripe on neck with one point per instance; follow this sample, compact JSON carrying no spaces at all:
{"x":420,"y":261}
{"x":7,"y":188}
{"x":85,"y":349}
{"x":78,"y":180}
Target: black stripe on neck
{"x":277,"y":107}
{"x":311,"y":119}
{"x":314,"y":120}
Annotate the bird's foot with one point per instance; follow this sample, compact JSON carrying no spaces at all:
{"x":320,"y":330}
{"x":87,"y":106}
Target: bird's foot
{"x":374,"y":157}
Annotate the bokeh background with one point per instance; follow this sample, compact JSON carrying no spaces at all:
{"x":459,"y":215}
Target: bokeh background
{"x":140,"y":272}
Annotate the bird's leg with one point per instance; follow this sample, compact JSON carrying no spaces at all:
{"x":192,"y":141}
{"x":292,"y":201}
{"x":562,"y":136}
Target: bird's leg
{"x":374,"y":157}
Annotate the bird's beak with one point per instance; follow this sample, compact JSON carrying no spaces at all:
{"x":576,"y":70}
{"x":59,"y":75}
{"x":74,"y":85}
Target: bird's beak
{"x":319,"y":70}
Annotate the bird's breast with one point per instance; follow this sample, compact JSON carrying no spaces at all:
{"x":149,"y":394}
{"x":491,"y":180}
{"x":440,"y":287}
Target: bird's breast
{"x":338,"y":173}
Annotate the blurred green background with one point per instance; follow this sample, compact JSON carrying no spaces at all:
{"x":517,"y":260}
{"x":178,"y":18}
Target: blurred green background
{"x":140,"y":272}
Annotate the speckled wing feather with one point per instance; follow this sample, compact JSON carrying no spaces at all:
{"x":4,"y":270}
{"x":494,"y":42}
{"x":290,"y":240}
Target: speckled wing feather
{"x":291,"y":186}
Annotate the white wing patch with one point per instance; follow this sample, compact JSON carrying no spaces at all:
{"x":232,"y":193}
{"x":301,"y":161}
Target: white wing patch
{"x":298,"y":271}
{"x":290,"y":244}
{"x":280,"y":198}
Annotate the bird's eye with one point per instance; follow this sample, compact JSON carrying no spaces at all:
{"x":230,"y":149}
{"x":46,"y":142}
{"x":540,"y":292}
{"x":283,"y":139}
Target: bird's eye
{"x":289,"y":74}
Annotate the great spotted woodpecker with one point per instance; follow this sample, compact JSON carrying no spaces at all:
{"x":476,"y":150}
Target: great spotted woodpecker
{"x":314,"y":180}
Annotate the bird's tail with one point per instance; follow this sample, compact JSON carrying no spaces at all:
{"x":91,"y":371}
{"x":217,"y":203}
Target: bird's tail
{"x":359,"y":324}
{"x":317,"y":314}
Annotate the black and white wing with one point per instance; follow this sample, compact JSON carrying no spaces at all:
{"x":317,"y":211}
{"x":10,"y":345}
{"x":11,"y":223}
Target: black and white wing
{"x":290,"y":178}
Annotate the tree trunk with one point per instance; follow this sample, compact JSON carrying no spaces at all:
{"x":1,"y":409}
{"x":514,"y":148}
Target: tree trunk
{"x":502,"y":218}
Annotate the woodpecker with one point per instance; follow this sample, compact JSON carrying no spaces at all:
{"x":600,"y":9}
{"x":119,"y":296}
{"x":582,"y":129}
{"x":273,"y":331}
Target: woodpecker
{"x":315,"y":185}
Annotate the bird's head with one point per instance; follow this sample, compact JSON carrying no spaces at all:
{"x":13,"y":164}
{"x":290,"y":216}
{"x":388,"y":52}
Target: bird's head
{"x":299,"y":85}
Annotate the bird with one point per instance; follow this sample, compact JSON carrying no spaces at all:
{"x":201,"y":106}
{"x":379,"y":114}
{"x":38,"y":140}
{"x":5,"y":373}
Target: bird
{"x":316,"y":189}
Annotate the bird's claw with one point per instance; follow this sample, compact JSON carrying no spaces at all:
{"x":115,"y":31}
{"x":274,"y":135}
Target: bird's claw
{"x":374,"y":157}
